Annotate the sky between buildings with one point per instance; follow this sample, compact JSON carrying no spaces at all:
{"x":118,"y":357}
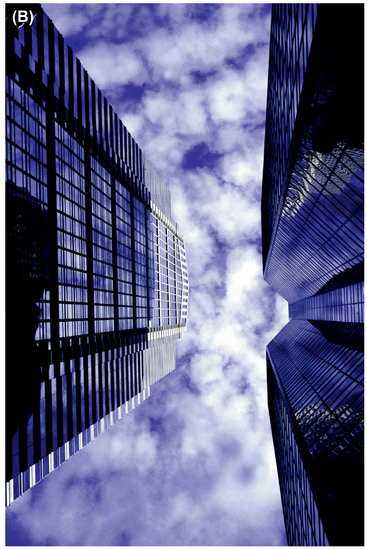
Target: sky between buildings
{"x":194,"y":464}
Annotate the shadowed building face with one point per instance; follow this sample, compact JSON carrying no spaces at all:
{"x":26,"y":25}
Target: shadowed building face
{"x":313,"y":251}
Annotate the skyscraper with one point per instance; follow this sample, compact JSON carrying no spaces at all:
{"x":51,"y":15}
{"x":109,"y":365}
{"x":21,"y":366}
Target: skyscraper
{"x":96,"y":276}
{"x":313,"y":251}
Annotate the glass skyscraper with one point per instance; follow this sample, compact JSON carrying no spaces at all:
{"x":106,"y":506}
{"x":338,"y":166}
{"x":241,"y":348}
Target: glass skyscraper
{"x":96,"y":276}
{"x":313,"y":252}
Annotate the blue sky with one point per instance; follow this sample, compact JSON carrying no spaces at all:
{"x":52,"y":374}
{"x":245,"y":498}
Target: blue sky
{"x":194,"y":464}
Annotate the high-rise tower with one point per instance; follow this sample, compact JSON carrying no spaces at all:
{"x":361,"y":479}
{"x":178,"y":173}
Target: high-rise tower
{"x":96,"y":276}
{"x":313,"y":251}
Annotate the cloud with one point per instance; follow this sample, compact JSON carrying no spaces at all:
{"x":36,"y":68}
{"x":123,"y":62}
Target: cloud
{"x":68,"y":23}
{"x":120,"y":64}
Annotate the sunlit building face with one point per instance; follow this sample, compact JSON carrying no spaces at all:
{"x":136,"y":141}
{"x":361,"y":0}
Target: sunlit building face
{"x":97,"y":285}
{"x":313,"y":254}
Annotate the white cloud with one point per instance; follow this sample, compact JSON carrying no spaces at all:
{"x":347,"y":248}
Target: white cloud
{"x":244,"y":274}
{"x":241,"y":169}
{"x":132,"y":122}
{"x":67,"y":23}
{"x":109,"y":65}
{"x":113,"y":19}
{"x":227,"y":98}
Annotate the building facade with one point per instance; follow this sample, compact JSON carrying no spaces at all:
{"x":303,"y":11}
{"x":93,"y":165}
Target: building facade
{"x":96,"y":275}
{"x":313,"y":254}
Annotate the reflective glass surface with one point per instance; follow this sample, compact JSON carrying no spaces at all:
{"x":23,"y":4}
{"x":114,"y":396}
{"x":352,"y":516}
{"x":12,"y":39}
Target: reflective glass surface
{"x":312,"y":203}
{"x":302,"y":520}
{"x":313,"y":254}
{"x":315,"y":380}
{"x":291,"y":37}
{"x":95,"y":262}
{"x":345,"y":304}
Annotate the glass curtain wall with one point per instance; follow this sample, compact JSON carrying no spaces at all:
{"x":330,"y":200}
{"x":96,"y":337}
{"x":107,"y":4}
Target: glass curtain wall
{"x":95,"y":263}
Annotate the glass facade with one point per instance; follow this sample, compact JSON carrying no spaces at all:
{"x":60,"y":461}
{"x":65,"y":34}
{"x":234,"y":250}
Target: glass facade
{"x":316,"y":403}
{"x":312,"y":202}
{"x":302,"y":520}
{"x":313,"y":251}
{"x":96,"y":275}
